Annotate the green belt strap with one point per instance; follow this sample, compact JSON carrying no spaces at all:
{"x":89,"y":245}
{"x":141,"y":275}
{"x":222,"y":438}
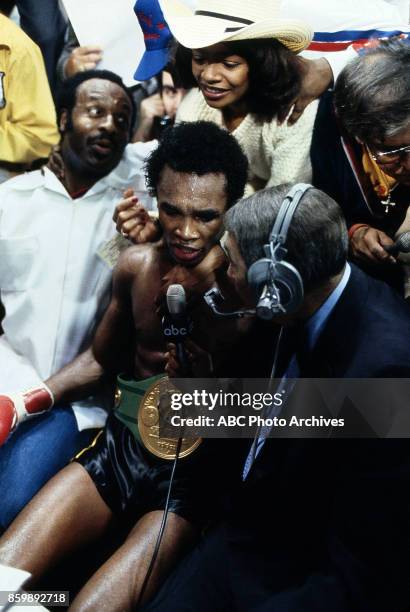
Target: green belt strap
{"x":132,"y":392}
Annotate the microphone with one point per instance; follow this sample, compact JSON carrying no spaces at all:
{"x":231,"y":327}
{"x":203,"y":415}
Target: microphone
{"x":176,"y":324}
{"x":176,"y":300}
{"x":213,"y":295}
{"x":165,"y":121}
{"x":402,"y":245}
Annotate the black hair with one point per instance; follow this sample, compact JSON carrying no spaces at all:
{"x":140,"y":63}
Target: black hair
{"x":317,"y":240}
{"x":275,"y":74}
{"x":67,"y":91}
{"x":170,"y":67}
{"x":372,"y":93}
{"x":6,"y":6}
{"x":199,"y":147}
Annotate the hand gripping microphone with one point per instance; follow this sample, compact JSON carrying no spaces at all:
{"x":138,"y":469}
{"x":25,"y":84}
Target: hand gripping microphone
{"x":177,"y":325}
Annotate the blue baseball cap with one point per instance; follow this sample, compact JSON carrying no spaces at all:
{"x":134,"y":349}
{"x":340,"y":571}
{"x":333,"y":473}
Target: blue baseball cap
{"x":157,"y":38}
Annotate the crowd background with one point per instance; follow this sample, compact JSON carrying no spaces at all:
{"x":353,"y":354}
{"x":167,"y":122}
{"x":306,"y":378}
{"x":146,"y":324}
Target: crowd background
{"x":312,"y":95}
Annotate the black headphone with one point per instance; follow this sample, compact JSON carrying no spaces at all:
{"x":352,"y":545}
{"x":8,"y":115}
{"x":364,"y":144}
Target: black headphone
{"x":277,"y":283}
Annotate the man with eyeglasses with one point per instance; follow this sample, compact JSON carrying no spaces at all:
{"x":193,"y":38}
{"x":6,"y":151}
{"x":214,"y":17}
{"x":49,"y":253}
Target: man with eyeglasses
{"x":372,"y":97}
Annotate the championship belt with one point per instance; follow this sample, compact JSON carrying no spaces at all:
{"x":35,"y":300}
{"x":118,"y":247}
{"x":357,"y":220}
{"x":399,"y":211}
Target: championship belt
{"x":138,"y":404}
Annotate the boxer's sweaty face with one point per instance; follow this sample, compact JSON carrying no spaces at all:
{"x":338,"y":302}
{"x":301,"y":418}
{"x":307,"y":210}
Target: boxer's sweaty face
{"x":191,"y":210}
{"x":99,"y":128}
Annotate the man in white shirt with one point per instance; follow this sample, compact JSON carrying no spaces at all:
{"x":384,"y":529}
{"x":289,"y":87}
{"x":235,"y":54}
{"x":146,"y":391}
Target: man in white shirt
{"x":53,"y":281}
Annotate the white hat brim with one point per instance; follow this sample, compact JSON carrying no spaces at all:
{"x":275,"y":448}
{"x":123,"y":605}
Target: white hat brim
{"x":198,"y":31}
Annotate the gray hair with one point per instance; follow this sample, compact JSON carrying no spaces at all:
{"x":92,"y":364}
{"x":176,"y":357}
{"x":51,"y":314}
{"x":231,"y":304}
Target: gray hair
{"x":317,"y":239}
{"x":372,"y":93}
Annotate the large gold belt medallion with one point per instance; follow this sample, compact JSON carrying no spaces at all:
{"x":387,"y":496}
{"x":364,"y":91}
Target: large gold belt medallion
{"x":156,"y":400}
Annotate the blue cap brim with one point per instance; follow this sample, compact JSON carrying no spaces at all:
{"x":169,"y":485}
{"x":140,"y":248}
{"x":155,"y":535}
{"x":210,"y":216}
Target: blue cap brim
{"x":151,"y":64}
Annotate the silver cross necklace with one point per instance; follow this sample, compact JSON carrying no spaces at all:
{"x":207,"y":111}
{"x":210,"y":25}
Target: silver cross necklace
{"x":388,"y":203}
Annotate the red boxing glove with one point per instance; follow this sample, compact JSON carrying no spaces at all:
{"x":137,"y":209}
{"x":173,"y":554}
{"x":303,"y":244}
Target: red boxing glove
{"x":8,"y":417}
{"x":17,"y":407}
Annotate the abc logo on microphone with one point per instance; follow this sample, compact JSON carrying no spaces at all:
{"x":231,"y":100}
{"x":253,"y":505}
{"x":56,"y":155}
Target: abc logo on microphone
{"x":173,"y":331}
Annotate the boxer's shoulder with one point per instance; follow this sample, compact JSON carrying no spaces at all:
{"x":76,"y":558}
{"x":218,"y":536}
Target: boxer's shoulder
{"x":139,"y":255}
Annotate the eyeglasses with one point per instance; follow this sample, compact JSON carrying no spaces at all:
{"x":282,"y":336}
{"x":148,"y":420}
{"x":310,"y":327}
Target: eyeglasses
{"x":390,"y":157}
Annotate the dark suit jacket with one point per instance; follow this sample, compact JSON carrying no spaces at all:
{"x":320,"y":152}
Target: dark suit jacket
{"x":325,"y":524}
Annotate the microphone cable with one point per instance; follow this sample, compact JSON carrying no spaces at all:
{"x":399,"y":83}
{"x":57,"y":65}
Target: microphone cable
{"x":162,"y":526}
{"x":176,"y":304}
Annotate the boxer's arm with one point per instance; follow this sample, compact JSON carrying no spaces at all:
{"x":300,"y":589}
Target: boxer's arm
{"x":111,"y":353}
{"x":113,"y":345}
{"x":77,"y":380}
{"x":83,"y":375}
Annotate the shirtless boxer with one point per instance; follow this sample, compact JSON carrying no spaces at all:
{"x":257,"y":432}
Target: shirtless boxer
{"x":197,"y":172}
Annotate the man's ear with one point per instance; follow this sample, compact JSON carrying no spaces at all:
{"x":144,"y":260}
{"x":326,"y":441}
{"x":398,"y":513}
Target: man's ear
{"x":62,"y":126}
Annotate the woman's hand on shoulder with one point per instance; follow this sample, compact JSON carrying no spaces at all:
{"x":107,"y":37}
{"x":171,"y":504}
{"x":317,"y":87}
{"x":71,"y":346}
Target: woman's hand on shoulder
{"x":317,"y":76}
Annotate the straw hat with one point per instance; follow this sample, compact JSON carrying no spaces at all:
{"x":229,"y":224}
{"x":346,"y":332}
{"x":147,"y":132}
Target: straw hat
{"x":217,"y":21}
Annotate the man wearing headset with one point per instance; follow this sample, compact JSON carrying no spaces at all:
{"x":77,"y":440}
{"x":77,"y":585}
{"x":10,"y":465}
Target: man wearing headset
{"x":316,"y":524}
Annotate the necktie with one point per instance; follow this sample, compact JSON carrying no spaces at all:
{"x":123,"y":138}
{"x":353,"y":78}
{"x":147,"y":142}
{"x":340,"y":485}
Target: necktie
{"x":291,"y":343}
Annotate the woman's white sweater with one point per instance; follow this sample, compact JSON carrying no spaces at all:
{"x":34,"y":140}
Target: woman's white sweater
{"x":276,"y":153}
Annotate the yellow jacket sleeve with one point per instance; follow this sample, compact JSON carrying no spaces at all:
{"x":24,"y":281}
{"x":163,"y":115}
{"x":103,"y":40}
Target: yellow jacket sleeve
{"x":28,"y":127}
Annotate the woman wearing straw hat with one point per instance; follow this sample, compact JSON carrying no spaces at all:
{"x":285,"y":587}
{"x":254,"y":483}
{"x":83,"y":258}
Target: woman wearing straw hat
{"x":245,"y":71}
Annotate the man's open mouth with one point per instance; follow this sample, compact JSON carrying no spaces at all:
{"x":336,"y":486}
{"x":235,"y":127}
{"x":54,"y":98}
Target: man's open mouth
{"x":102,"y":147}
{"x":185,"y":253}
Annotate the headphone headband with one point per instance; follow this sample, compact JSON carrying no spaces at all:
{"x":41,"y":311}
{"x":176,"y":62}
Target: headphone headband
{"x":290,"y":202}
